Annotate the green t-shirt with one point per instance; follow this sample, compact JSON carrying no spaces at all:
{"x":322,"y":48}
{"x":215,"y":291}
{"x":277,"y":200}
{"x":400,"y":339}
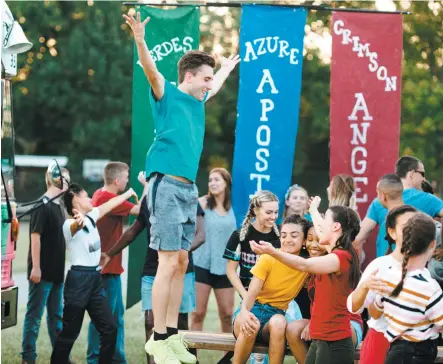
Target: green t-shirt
{"x":179,"y":121}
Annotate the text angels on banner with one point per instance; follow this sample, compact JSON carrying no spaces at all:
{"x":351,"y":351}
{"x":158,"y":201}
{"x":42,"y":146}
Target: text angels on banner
{"x":271,"y":50}
{"x":169,"y":34}
{"x":365,"y":100}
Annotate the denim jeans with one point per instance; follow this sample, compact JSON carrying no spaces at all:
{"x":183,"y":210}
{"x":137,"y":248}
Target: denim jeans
{"x":113,"y":287}
{"x":40,"y":295}
{"x":407,"y":352}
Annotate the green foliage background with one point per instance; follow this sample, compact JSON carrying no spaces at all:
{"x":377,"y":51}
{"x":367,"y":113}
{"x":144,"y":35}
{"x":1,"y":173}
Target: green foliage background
{"x":72,"y":95}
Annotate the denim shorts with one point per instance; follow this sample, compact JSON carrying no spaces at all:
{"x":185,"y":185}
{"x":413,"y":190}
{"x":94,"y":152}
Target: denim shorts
{"x":188,"y":297}
{"x":293,"y":312}
{"x":172,"y":207}
{"x":358,"y":332}
{"x":263,"y":312}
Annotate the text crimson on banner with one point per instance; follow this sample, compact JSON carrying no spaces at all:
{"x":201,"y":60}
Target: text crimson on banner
{"x":365,"y":100}
{"x":169,"y":34}
{"x":271,"y":50}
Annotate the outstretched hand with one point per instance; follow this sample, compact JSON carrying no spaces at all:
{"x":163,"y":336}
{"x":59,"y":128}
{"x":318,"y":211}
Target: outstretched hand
{"x":262,"y":247}
{"x":228,"y":63}
{"x":137,"y":26}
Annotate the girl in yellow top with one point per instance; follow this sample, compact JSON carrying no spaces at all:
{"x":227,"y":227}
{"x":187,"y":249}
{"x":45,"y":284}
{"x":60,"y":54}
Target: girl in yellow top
{"x":273,"y":286}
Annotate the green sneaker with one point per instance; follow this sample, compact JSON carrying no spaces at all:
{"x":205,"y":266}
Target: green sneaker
{"x":179,"y":346}
{"x":161,"y":351}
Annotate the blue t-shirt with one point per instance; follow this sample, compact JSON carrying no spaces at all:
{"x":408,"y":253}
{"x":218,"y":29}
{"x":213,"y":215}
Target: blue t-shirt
{"x":179,"y":121}
{"x":422,"y":201}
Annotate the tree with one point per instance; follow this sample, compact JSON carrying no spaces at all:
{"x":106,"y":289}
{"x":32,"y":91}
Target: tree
{"x":73,"y":90}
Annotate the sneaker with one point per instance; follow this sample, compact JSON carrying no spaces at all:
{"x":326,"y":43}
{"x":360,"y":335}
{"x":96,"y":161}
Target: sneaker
{"x":161,"y":351}
{"x":179,"y":346}
{"x":258,"y":358}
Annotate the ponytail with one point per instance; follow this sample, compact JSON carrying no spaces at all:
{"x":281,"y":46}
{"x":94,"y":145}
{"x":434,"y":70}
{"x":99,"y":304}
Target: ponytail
{"x":350,"y":224}
{"x":345,"y":243}
{"x":71,"y":192}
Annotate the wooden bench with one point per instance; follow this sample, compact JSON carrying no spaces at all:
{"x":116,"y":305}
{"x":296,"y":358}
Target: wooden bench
{"x":226,"y":342}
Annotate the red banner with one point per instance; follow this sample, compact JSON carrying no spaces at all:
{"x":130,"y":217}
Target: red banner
{"x":365,"y":101}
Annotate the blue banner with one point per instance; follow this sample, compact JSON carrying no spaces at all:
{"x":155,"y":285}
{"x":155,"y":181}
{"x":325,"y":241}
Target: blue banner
{"x":271,"y":51}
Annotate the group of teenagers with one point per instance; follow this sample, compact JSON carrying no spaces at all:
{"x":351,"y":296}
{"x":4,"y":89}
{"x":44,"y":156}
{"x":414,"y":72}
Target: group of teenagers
{"x":299,"y":277}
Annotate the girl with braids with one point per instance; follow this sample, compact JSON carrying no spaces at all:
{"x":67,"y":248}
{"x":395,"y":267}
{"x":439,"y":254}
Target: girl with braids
{"x":337,"y":273}
{"x":413,"y":309}
{"x":259,"y":224}
{"x":274,"y":285}
{"x":375,"y":346}
{"x":83,"y":289}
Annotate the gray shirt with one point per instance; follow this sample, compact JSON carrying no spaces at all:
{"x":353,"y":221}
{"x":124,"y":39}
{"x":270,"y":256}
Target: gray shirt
{"x":218,"y":230}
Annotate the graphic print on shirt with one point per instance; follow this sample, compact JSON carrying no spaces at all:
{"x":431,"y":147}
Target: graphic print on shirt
{"x":94,"y":246}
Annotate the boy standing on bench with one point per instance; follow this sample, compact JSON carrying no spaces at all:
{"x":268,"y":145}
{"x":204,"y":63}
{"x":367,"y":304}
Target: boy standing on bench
{"x":172,"y":163}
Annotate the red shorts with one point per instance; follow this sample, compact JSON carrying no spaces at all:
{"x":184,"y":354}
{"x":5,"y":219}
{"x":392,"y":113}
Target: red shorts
{"x":374,"y":348}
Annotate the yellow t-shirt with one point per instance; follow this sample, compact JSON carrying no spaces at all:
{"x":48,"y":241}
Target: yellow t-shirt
{"x":281,"y":283}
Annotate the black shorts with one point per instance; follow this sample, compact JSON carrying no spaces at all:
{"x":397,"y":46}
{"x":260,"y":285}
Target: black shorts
{"x":215,"y":281}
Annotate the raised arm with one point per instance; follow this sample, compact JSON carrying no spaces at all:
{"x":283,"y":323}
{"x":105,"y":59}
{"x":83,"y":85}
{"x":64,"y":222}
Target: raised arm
{"x":135,"y":211}
{"x":317,"y":219}
{"x":155,"y":78}
{"x":226,"y":67}
{"x":114,"y":202}
{"x":366,"y":228}
{"x":319,"y":265}
{"x":127,"y":238}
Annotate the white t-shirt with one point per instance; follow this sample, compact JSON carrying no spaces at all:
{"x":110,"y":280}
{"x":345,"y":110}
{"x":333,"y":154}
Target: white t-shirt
{"x":84,"y":247}
{"x":381,"y":324}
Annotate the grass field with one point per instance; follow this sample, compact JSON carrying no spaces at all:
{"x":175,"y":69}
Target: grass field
{"x":134,"y":327}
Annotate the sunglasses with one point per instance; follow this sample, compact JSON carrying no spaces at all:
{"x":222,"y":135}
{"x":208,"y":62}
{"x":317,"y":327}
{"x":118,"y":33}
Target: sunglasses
{"x":421,"y":172}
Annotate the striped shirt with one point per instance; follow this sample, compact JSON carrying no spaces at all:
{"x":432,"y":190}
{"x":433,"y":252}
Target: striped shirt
{"x":380,"y":324}
{"x":416,"y":314}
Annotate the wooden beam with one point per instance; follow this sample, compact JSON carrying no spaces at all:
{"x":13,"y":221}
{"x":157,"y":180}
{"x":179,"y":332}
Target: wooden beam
{"x":226,"y":342}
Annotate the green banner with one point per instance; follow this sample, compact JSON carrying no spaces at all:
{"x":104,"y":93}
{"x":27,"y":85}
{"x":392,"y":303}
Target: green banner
{"x":169,"y":34}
